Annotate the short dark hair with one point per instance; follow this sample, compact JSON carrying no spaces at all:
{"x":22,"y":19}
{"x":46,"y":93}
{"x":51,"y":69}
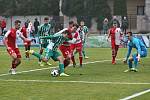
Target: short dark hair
{"x":75,"y":24}
{"x":17,"y":21}
{"x":46,"y":18}
{"x":71,"y":22}
{"x":130,"y":33}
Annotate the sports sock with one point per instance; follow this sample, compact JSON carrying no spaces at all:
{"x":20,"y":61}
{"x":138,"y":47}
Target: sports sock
{"x":61,"y":67}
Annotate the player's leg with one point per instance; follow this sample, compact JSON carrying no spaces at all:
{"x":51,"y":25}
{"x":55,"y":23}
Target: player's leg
{"x":113,"y":56}
{"x":57,"y":57}
{"x":28,"y":47}
{"x":39,"y":56}
{"x":66,"y":62}
{"x":40,"y":53}
{"x":129,"y":65}
{"x":135,"y":59}
{"x":116,"y":50}
{"x":83,"y":51}
{"x":79,"y":49}
{"x":16,"y":59}
{"x":72,"y":55}
{"x":66,"y":52}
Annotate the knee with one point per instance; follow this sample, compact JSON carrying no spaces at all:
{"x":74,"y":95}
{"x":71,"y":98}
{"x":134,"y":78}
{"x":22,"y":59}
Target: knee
{"x":18,"y":62}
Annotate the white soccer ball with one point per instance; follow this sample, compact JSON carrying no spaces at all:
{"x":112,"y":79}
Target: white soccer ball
{"x":55,"y":72}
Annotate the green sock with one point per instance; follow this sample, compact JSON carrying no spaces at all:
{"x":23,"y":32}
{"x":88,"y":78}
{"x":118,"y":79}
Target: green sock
{"x":83,"y":52}
{"x":37,"y":55}
{"x":75,"y":52}
{"x":61,"y":67}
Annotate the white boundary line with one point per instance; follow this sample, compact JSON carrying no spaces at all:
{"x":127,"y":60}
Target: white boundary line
{"x":51,"y":68}
{"x":84,"y":82}
{"x":136,"y":95}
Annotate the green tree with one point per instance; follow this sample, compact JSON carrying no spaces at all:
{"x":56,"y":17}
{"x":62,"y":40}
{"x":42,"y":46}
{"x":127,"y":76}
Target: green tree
{"x":100,"y":10}
{"x":120,"y":7}
{"x":29,"y":7}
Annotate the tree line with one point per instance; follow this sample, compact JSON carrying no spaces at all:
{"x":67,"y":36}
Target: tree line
{"x":82,"y":9}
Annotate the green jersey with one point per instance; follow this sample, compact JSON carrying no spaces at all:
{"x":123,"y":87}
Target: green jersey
{"x":56,"y":40}
{"x":83,"y":32}
{"x":44,"y":30}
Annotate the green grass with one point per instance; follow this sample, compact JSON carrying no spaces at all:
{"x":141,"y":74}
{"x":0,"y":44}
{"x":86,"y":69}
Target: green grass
{"x":45,"y":87}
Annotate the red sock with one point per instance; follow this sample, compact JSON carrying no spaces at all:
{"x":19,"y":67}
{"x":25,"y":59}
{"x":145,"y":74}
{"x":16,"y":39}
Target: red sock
{"x":13,"y":65}
{"x":80,"y":58}
{"x":113,"y":58}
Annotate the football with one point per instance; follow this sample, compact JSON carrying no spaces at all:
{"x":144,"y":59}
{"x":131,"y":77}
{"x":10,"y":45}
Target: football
{"x":54,"y":72}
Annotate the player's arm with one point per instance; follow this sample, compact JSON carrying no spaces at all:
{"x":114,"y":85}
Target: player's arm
{"x":87,"y":31}
{"x":22,"y":37}
{"x":72,"y":41}
{"x":39,"y":31}
{"x":137,"y":44}
{"x":5,"y":39}
{"x":46,"y":37}
{"x":63,"y":30}
{"x":109,"y":34}
{"x":51,"y":36}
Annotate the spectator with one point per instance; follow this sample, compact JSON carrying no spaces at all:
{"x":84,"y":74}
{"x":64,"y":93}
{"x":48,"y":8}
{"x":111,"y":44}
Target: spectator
{"x":53,"y":25}
{"x":36,"y":24}
{"x":0,"y":29}
{"x":113,"y":21}
{"x":105,"y":26}
{"x":3,"y":25}
{"x":27,"y":23}
{"x":124,"y":25}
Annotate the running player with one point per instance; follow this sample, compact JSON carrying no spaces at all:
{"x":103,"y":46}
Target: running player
{"x":77,"y":45}
{"x":44,"y":30}
{"x":65,"y":47}
{"x":51,"y":50}
{"x":11,"y":46}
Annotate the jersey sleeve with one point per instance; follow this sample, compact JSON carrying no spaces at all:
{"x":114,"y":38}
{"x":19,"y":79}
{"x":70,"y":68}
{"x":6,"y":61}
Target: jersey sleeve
{"x":7,"y":33}
{"x":138,"y":47}
{"x":61,"y":31}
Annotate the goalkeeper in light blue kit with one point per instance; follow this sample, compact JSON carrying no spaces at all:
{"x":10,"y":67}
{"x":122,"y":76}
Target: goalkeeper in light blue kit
{"x":51,"y":50}
{"x":141,"y":52}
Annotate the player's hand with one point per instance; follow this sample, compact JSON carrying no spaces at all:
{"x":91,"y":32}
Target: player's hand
{"x":138,"y":58}
{"x":8,"y":48}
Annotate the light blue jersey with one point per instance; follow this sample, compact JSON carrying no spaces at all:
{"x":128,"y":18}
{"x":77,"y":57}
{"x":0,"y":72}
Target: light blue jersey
{"x":138,"y":45}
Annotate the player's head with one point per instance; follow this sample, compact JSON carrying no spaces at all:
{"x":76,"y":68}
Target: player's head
{"x":46,"y":20}
{"x":65,"y":33}
{"x":17,"y":24}
{"x":71,"y":24}
{"x":75,"y":27}
{"x":129,"y":35}
{"x":115,"y":25}
{"x":82,"y":23}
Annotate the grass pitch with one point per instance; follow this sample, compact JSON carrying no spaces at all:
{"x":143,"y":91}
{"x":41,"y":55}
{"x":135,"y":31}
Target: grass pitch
{"x":97,"y":80}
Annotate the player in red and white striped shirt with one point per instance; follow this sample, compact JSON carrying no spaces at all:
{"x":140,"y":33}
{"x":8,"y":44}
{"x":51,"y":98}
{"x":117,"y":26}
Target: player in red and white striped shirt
{"x":115,"y":34}
{"x":11,"y":45}
{"x":76,"y":45}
